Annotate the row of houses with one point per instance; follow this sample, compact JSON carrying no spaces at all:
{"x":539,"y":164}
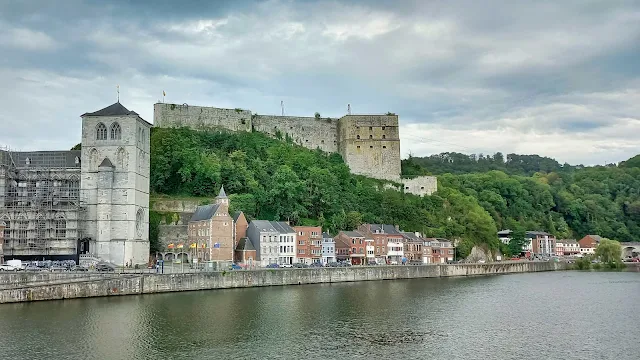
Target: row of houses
{"x":216,"y":235}
{"x":543,"y":243}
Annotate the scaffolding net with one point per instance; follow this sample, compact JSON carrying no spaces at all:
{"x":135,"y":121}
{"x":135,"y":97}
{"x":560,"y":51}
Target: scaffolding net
{"x":40,"y":203}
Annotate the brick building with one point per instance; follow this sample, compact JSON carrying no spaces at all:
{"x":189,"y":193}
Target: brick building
{"x":567,"y":247}
{"x":413,"y":245}
{"x":350,"y":246}
{"x":589,"y":243}
{"x":309,"y":246}
{"x":382,"y":235}
{"x":245,"y":253}
{"x":211,"y":231}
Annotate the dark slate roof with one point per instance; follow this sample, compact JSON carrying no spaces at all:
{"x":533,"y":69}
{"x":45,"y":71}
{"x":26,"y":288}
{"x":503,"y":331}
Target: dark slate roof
{"x":353,"y":234}
{"x":116,"y":109}
{"x":221,"y":194}
{"x":205,"y":212}
{"x":282,"y":227}
{"x":236,"y":215}
{"x":106,"y":163}
{"x":245,"y":244}
{"x":505,"y":232}
{"x":567,"y":241}
{"x":263,"y":225}
{"x":42,"y":159}
{"x":326,"y":235}
{"x":383,"y":228}
{"x":410,"y":236}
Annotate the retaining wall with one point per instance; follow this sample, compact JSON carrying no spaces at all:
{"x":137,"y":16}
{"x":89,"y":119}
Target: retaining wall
{"x":131,"y":284}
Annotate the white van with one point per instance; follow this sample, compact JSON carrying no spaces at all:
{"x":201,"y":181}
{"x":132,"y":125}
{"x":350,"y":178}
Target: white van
{"x":16,"y":264}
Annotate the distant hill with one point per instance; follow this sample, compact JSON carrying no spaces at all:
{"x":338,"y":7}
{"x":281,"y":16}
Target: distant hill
{"x":634,"y":162}
{"x":514,"y":164}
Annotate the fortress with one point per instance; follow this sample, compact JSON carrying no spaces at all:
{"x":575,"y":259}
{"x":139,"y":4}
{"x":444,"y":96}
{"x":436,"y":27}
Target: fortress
{"x":369,"y":144}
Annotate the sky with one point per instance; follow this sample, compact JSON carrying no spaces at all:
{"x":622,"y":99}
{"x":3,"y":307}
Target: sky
{"x":554,"y":78}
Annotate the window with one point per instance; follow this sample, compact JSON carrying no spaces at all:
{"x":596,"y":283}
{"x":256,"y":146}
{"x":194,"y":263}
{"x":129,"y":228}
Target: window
{"x":115,"y":131}
{"x":358,"y":137}
{"x":358,"y":146}
{"x":370,"y":128}
{"x":383,"y":128}
{"x":139,"y":221}
{"x":353,"y":251}
{"x":301,"y":251}
{"x":301,"y":233}
{"x":384,"y":136}
{"x":370,"y":147}
{"x":101,"y":132}
{"x":61,"y":227}
{"x":370,"y":136}
{"x":301,"y":242}
{"x":41,"y":229}
{"x":384,"y":147}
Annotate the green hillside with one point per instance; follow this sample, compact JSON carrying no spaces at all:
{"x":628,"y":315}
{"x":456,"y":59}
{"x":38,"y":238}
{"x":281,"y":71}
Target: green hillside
{"x":277,"y":180}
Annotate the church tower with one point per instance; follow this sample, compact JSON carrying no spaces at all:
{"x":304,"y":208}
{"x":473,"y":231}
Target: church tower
{"x":115,"y":184}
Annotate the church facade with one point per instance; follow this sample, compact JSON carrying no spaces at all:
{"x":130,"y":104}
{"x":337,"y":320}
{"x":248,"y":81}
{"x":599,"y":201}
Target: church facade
{"x":92,"y":202}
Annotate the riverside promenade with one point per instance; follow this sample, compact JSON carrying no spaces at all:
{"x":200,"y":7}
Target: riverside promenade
{"x":25,"y":286}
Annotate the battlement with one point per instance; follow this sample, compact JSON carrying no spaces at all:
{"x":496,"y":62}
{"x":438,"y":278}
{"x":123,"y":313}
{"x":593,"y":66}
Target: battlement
{"x":369,"y":144}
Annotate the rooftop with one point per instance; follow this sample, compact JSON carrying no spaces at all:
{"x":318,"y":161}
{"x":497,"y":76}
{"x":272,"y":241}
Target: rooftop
{"x":204,"y":212}
{"x":116,"y":109}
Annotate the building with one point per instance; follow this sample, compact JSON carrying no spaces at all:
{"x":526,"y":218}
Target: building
{"x":382,"y":235}
{"x":309,"y":244}
{"x":567,"y":247}
{"x":211,"y":231}
{"x":537,"y":242}
{"x":274,"y":242}
{"x":245,"y":253}
{"x":2,"y":227}
{"x":350,"y":246}
{"x":589,"y":243}
{"x":369,"y":144}
{"x":427,"y":252}
{"x":442,"y":250}
{"x":240,"y":226}
{"x":265,"y":239}
{"x":413,"y":245}
{"x":328,"y":249}
{"x":90,"y":204}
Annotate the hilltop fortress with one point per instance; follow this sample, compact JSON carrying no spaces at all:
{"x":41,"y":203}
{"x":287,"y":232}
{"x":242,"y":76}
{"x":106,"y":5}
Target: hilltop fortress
{"x":369,"y":144}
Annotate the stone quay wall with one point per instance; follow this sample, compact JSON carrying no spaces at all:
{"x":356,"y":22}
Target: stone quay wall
{"x":26,"y":287}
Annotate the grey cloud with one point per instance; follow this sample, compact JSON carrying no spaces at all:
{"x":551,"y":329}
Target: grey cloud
{"x":464,"y":74}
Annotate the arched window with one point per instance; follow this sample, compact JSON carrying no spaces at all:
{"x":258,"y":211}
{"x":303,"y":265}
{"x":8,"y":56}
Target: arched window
{"x":101,"y":132}
{"x":23,"y":225}
{"x":122,"y":159}
{"x":93,"y":159}
{"x":139,"y":222}
{"x":61,"y":227}
{"x":41,"y":227}
{"x":116,"y":131}
{"x":358,"y":137}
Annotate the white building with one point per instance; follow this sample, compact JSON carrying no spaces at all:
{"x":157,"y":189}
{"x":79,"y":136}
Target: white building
{"x":328,"y":249}
{"x":395,"y":251}
{"x":369,"y":249}
{"x":286,"y":244}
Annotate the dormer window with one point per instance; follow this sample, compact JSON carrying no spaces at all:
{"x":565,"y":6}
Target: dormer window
{"x":27,"y":161}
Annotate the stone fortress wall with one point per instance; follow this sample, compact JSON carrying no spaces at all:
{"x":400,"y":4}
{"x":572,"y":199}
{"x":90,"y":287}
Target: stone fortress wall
{"x":369,"y":144}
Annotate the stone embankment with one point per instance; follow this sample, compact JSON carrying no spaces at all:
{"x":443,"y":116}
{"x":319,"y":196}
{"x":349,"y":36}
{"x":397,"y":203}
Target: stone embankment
{"x":23,"y":287}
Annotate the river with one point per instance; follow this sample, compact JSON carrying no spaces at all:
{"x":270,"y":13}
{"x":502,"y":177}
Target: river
{"x":553,"y":315}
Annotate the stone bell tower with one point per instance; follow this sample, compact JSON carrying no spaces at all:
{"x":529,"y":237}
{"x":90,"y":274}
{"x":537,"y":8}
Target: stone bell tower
{"x":115,"y":184}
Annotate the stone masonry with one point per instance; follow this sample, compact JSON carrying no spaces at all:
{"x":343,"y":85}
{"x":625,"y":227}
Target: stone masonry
{"x":369,"y":144}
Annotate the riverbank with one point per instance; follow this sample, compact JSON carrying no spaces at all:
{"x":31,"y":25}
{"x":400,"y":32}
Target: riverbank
{"x":25,"y":287}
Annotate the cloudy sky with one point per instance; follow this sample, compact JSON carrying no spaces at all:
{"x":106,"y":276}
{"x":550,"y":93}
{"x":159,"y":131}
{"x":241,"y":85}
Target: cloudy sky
{"x":556,"y":78}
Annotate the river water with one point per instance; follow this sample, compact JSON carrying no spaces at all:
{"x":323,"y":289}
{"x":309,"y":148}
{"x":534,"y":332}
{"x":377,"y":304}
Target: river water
{"x":554,"y":315}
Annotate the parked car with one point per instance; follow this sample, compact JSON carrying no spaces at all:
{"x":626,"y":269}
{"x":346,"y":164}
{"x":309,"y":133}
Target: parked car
{"x":78,"y":268}
{"x":286,"y":266}
{"x":272,"y":266}
{"x":344,"y":264}
{"x":300,"y":265}
{"x":235,"y":267}
{"x":57,"y":269}
{"x":7,"y":267}
{"x":32,"y":267}
{"x":393,"y":262}
{"x":316,"y":265}
{"x":104,"y":267}
{"x":415,"y":262}
{"x":333,"y":264}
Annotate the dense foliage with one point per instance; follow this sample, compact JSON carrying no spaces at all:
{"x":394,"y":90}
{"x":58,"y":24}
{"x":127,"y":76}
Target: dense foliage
{"x":277,"y":180}
{"x":568,"y":202}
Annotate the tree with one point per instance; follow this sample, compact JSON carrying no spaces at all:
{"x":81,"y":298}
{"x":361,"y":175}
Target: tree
{"x":77,"y":147}
{"x":609,"y":251}
{"x":317,"y":115}
{"x":518,"y":240}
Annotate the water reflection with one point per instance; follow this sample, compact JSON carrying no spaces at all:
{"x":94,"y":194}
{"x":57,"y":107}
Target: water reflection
{"x":463,"y":318}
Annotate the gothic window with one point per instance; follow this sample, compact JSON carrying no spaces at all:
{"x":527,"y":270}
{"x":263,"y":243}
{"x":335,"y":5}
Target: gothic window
{"x":116,"y":131}
{"x":74,"y":187}
{"x":7,"y":228}
{"x":61,"y":227}
{"x":358,"y":137}
{"x":101,"y":132}
{"x":23,"y":225}
{"x":122,"y":159}
{"x":384,"y":136}
{"x":93,"y":159}
{"x":139,"y":221}
{"x":41,"y":228}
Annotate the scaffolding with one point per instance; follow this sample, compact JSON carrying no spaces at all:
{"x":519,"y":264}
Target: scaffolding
{"x":40,"y":203}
